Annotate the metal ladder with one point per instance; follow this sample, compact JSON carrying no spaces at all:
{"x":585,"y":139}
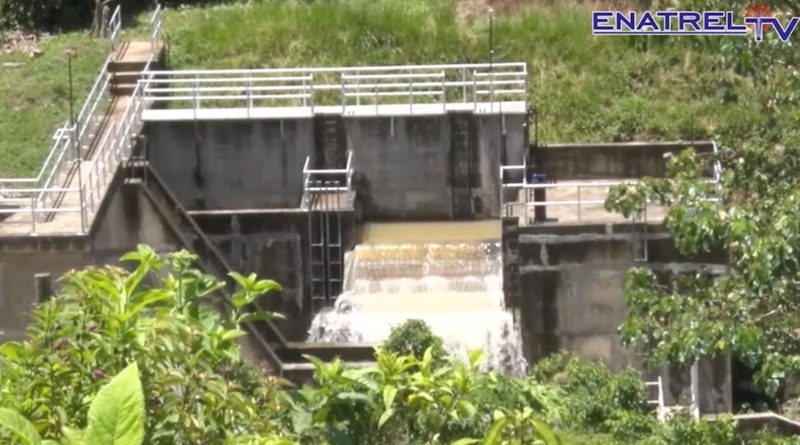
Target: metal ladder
{"x":325,"y":254}
{"x":658,"y":401}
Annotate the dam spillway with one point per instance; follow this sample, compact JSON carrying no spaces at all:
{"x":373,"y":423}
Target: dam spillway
{"x":455,"y":287}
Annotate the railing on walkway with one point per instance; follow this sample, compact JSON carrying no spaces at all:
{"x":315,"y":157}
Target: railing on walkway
{"x":114,"y":29}
{"x":401,"y":86}
{"x":117,"y":144}
{"x":156,"y":29}
{"x":42,"y":196}
{"x":337,"y":180}
{"x":571,"y":201}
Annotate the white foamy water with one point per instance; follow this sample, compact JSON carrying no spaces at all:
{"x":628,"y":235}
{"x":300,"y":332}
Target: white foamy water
{"x":457,"y":289}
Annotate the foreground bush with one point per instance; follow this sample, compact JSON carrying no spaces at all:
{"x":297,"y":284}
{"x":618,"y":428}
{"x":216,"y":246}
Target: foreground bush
{"x":197,"y":387}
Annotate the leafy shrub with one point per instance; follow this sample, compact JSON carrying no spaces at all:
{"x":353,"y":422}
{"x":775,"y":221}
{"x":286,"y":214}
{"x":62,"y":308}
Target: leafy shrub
{"x":405,"y":400}
{"x":682,"y":429}
{"x":628,"y":427}
{"x":594,"y":394}
{"x":116,"y":416}
{"x":197,"y":387}
{"x":414,"y":337}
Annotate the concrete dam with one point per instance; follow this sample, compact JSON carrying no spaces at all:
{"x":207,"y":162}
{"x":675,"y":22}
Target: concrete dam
{"x":371,"y":194}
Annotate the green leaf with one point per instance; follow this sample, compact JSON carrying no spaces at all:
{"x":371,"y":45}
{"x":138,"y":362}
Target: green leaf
{"x":465,"y":441}
{"x":233,"y":334}
{"x":475,"y":357}
{"x":151,"y":297}
{"x":389,"y":393}
{"x":260,"y":316}
{"x":74,"y":437}
{"x":546,"y":433}
{"x":493,"y":436}
{"x":19,"y":427}
{"x":11,"y":350}
{"x":385,"y":417}
{"x":116,"y":415}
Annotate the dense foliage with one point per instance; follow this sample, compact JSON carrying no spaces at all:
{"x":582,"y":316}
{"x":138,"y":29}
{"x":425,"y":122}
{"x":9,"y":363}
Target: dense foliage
{"x":750,"y":310}
{"x":196,"y":385}
{"x":59,"y":15}
{"x":414,"y":337}
{"x":159,"y":318}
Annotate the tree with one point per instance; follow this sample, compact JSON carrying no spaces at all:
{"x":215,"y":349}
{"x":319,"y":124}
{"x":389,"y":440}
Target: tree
{"x":752,"y":310}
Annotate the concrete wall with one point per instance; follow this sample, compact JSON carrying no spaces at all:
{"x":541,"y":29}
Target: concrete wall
{"x":404,"y":165}
{"x":609,"y":161}
{"x":571,"y":284}
{"x":568,"y":293}
{"x":274,"y":246}
{"x":127,"y":220}
{"x":232,"y":164}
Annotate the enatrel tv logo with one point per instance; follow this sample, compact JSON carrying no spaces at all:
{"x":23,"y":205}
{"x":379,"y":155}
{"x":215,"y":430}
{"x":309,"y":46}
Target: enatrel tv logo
{"x":757,"y":19}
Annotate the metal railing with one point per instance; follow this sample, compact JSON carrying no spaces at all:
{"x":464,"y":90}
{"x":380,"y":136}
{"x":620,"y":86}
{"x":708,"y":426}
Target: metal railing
{"x":331,"y":176}
{"x":114,"y":29}
{"x":156,"y":29}
{"x":116,"y":146}
{"x":44,"y":195}
{"x":658,"y":402}
{"x":572,"y":200}
{"x":411,"y":86}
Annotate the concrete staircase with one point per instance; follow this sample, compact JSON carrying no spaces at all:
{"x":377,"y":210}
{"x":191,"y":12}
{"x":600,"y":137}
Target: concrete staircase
{"x":283,"y":357}
{"x":128,"y":68}
{"x":73,"y":211}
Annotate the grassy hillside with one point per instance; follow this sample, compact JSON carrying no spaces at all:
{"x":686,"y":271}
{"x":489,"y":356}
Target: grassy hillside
{"x":34,"y":97}
{"x":586,"y":88}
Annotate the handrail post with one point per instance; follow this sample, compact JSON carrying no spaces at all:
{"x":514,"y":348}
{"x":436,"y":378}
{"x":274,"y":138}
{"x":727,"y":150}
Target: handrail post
{"x":343,"y":92}
{"x":196,"y":99}
{"x":474,"y":91}
{"x":410,"y":94}
{"x":491,"y":89}
{"x":444,"y":93}
{"x":249,"y":95}
{"x":464,"y":85}
{"x":311,"y":92}
{"x":82,"y":205}
{"x":33,"y":213}
{"x":579,"y":203}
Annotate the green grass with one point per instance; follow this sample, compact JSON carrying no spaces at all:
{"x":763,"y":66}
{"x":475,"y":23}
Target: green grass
{"x":586,"y":88}
{"x":34,"y":98}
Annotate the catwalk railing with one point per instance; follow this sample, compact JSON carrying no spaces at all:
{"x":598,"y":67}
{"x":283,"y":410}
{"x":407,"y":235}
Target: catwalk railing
{"x":411,"y":86}
{"x":573,"y":201}
{"x":44,"y":195}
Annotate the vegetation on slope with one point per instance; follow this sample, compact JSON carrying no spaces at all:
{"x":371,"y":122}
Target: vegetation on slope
{"x":586,"y":88}
{"x":34,"y":97}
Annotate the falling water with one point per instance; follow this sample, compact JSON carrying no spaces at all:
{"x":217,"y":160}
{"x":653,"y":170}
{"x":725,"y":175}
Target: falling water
{"x":457,"y":289}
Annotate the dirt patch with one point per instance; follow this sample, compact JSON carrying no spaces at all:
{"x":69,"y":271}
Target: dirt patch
{"x":21,"y":42}
{"x":468,"y":10}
